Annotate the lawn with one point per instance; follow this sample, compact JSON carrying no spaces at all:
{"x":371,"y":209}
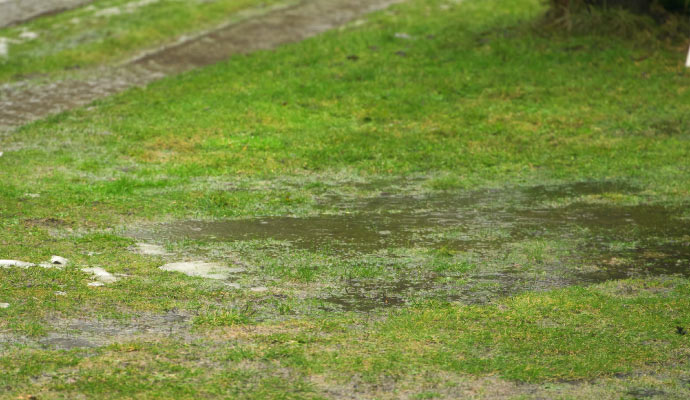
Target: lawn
{"x":111,"y":31}
{"x":439,"y":200}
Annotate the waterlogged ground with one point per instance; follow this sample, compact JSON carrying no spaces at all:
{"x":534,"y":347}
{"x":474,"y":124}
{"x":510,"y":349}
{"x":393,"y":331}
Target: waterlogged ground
{"x":438,"y":200}
{"x":470,"y":246}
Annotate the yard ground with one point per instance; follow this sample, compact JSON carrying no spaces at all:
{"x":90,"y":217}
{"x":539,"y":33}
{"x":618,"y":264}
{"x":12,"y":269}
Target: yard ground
{"x":438,"y":200}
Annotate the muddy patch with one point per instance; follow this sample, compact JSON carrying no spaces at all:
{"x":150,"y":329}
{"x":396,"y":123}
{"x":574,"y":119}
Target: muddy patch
{"x":652,"y":237}
{"x":478,"y":287}
{"x":50,"y":223}
{"x":508,"y":231}
{"x":57,"y":342}
{"x":366,"y":296}
{"x":82,"y":333}
{"x":27,"y":101}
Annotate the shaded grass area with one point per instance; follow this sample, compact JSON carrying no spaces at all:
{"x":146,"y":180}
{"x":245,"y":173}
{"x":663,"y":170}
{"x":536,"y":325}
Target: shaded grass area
{"x":108,"y":31}
{"x":428,"y":97}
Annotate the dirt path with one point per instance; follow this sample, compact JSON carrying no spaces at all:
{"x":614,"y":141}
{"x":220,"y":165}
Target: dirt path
{"x":23,"y":102}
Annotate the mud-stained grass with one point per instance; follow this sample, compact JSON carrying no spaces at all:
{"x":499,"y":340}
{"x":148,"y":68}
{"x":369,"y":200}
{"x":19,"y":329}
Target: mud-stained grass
{"x":562,"y":161}
{"x":575,"y":335}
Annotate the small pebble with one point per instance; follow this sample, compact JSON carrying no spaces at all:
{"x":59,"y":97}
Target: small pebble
{"x":4,"y":305}
{"x":96,"y":284}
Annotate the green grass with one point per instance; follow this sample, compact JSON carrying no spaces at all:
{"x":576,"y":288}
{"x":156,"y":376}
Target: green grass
{"x":568,"y":334}
{"x":90,"y":36}
{"x":564,"y":335}
{"x":479,"y":97}
{"x":480,"y":103}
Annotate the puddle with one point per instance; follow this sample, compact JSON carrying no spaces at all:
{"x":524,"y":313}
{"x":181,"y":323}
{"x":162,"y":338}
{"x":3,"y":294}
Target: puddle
{"x":26,"y":101}
{"x":611,"y":242}
{"x":367,"y":296}
{"x":584,"y":188}
{"x":471,"y":222}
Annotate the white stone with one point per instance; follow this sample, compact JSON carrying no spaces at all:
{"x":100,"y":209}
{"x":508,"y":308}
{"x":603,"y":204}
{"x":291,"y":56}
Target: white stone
{"x":15,"y":263}
{"x":402,"y":35}
{"x":100,"y":274}
{"x":96,"y":284}
{"x":4,"y":305}
{"x":202,"y":269}
{"x":57,"y":260}
{"x":687,"y":62}
{"x":60,"y":293}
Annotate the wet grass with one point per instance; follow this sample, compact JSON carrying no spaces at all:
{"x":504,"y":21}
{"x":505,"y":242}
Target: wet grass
{"x":108,"y":31}
{"x":473,"y":208}
{"x":563,"y":335}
